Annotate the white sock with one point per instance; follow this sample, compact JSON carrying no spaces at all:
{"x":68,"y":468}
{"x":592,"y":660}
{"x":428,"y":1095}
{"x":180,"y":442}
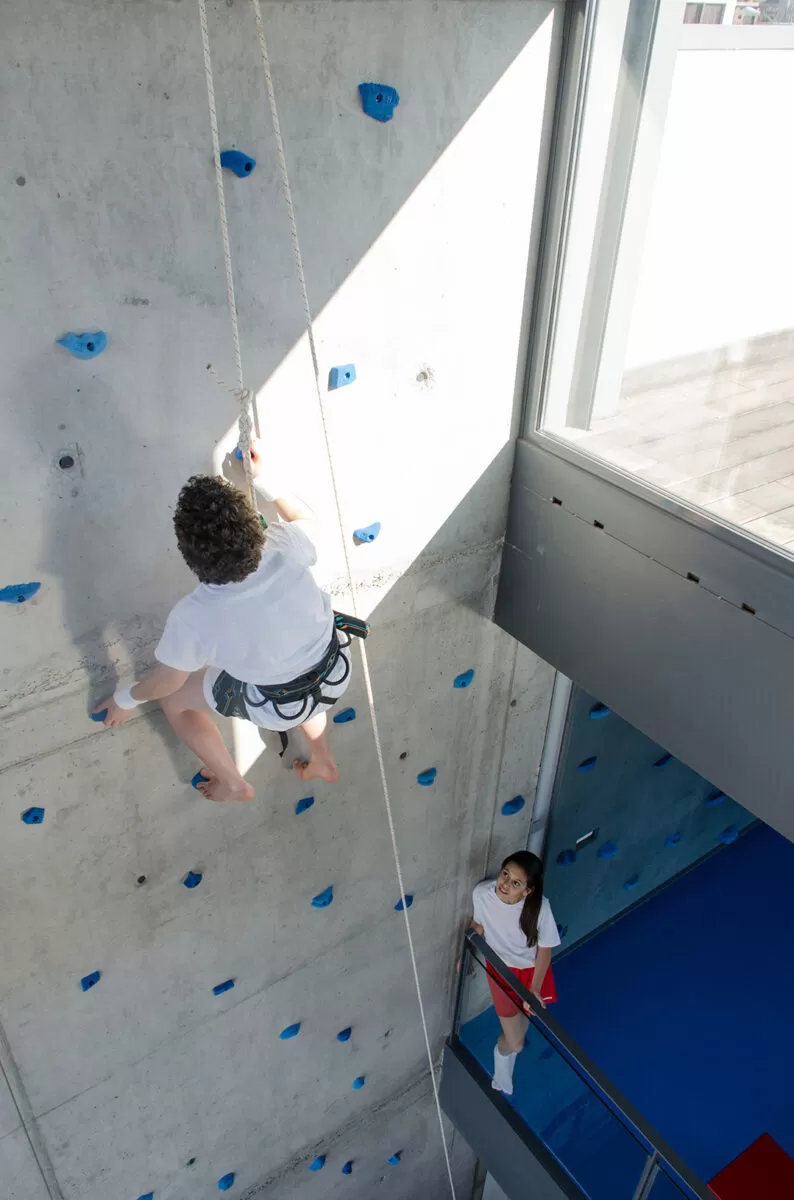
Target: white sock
{"x":503,"y":1071}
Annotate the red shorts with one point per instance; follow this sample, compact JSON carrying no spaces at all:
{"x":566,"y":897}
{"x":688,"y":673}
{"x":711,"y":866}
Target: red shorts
{"x":505,"y":1000}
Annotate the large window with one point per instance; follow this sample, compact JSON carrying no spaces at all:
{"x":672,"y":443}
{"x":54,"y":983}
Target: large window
{"x":671,"y":343}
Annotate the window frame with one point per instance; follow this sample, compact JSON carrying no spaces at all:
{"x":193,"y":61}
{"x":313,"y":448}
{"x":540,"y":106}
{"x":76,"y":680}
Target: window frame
{"x":624,"y":166}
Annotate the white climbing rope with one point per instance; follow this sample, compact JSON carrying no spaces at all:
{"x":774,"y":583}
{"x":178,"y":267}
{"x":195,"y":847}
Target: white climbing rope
{"x":241,"y":392}
{"x":293,"y":227}
{"x":245,"y":426}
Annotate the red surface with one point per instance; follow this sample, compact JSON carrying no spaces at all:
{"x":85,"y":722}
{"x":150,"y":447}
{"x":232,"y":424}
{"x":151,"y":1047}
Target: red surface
{"x":762,"y":1172}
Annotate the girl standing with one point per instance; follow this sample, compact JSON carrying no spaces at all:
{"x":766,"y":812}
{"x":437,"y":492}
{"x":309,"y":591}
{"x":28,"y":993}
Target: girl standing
{"x":516,"y":920}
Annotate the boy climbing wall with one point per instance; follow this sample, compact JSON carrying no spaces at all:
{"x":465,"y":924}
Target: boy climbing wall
{"x":257,"y":638}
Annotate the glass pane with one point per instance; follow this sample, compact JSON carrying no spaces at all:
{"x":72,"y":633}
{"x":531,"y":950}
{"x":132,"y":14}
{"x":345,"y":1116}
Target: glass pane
{"x":764,"y":12}
{"x":665,"y":1189}
{"x":685,"y":368}
{"x":569,"y":1116}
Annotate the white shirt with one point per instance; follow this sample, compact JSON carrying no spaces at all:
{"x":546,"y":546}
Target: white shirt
{"x":503,"y":932}
{"x":270,"y":628}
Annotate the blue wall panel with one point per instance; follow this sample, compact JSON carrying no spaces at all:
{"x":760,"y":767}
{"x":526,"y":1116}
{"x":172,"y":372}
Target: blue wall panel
{"x":651,"y":817}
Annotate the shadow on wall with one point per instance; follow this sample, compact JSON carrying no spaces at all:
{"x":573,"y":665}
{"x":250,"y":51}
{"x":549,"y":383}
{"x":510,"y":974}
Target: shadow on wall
{"x":383,"y":212}
{"x":416,"y":237}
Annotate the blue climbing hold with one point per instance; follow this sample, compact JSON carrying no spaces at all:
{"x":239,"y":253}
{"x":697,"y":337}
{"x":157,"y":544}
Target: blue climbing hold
{"x":235,"y":160}
{"x":225,"y":1184}
{"x":427,"y":778}
{"x":359,"y":1083}
{"x":344,"y":1034}
{"x":347,"y":1169}
{"x":99,"y":716}
{"x":513,"y":806}
{"x":715,"y":798}
{"x":192,"y":879}
{"x":395,"y":1158}
{"x":587,"y":764}
{"x":318,"y":1163}
{"x":303,"y":804}
{"x":290,"y":1032}
{"x":198,"y":778}
{"x":367,"y":533}
{"x":220,"y":988}
{"x":631,"y":883}
{"x":18,"y":593}
{"x":339,"y":377}
{"x":148,"y":1196}
{"x":379,"y":100}
{"x":729,"y":835}
{"x":662,"y":762}
{"x":599,"y":711}
{"x":566,"y":858}
{"x":89,"y":981}
{"x":347,"y":714}
{"x":324,"y":898}
{"x":84,"y":345}
{"x":671,"y":840}
{"x":562,"y":930}
{"x":608,"y":850}
{"x":408,"y":902}
{"x":33,"y":816}
{"x":463,"y":681}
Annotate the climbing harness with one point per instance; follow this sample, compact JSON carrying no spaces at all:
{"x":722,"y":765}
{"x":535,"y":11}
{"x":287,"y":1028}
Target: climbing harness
{"x":234,"y":698}
{"x":245,"y":434}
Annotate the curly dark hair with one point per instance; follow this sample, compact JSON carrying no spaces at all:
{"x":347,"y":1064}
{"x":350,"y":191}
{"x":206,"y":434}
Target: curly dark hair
{"x":217,"y":530}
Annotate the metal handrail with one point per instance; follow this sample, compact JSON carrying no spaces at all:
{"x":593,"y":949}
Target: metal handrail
{"x":584,"y":1066}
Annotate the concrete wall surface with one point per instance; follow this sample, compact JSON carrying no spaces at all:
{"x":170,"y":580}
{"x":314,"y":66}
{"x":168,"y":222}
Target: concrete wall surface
{"x":418,"y":237}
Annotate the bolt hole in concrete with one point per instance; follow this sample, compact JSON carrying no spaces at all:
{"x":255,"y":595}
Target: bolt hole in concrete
{"x":190,"y":1162}
{"x":404,"y":754}
{"x":66,"y":462}
{"x":141,"y":879}
{"x":20,"y":180}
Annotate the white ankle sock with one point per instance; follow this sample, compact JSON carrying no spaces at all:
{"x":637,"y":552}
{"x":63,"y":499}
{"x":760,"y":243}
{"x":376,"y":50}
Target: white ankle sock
{"x":503,"y":1071}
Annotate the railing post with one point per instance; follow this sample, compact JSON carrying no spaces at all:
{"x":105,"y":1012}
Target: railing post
{"x":462,"y":965}
{"x":648,"y":1178}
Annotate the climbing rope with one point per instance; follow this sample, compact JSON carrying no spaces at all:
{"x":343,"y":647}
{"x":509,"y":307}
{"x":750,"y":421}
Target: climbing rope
{"x":245,"y":433}
{"x":293,"y":228}
{"x":242,"y":393}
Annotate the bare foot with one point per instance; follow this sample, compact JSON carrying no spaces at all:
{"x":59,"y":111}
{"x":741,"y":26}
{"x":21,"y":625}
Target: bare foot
{"x":325,"y":769}
{"x":214,"y":789}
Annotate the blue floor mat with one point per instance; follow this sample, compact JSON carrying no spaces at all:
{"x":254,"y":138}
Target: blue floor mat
{"x":570,"y":1120}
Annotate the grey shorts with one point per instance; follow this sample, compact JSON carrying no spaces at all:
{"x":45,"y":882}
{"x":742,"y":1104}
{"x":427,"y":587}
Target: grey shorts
{"x":230,"y":697}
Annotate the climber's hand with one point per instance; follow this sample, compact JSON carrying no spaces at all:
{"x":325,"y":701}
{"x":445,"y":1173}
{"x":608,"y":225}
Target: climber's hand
{"x":115,"y":716}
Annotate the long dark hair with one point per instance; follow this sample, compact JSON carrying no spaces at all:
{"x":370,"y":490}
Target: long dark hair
{"x":532,"y":867}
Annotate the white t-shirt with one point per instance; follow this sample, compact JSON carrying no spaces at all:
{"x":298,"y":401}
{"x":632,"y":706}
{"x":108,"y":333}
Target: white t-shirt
{"x":269,"y":628}
{"x":503,"y":932}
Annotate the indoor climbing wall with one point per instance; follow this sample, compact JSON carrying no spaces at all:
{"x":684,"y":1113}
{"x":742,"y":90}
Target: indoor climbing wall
{"x":199,"y":998}
{"x":626,"y":818}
